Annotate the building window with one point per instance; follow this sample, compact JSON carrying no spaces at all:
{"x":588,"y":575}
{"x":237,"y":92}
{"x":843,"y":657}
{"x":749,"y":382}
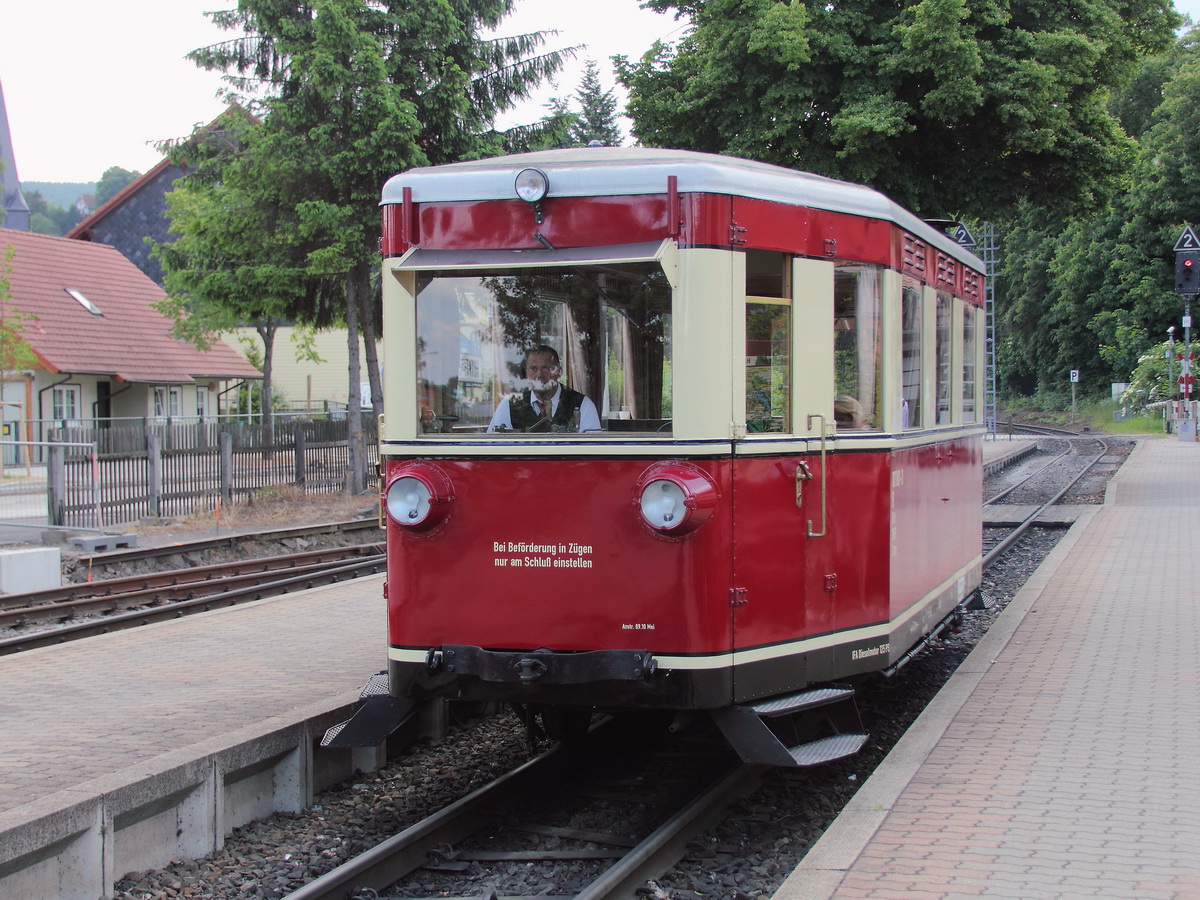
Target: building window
{"x":64,"y":402}
{"x":168,"y":401}
{"x":203,"y":402}
{"x":84,"y":301}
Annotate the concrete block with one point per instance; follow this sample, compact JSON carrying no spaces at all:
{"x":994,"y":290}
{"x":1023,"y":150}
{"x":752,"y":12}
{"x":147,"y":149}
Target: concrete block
{"x":26,"y":569}
{"x":98,"y":543}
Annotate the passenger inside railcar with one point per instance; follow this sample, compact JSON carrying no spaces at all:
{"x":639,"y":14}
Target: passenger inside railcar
{"x":847,"y":412}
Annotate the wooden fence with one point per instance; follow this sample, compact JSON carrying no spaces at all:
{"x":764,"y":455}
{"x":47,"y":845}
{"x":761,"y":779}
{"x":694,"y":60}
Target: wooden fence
{"x":130,"y":473}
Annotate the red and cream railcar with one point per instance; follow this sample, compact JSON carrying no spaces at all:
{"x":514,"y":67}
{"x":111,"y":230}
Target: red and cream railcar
{"x":782,"y":483}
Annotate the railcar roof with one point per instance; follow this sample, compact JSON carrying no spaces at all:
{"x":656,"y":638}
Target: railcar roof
{"x":618,"y":171}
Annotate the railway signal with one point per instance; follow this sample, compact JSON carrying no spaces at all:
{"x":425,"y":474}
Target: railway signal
{"x":1187,"y":285}
{"x":1187,"y":264}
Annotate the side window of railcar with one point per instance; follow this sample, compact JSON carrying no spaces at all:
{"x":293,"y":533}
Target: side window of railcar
{"x":943,"y":353}
{"x":768,"y":342}
{"x":910,"y":354}
{"x":968,"y":366}
{"x":857,"y":298}
{"x":566,"y":350}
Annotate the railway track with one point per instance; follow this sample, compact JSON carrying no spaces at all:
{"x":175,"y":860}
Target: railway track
{"x":73,"y":611}
{"x":1075,"y":466}
{"x":623,"y":817}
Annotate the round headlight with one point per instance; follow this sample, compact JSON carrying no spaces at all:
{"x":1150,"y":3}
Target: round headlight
{"x":664,"y":504}
{"x":418,"y":498}
{"x":675,"y":499}
{"x":408,"y":501}
{"x":532,"y":185}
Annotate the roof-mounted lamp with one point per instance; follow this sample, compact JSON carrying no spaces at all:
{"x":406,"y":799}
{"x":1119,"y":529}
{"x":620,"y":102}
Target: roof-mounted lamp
{"x":532,"y":185}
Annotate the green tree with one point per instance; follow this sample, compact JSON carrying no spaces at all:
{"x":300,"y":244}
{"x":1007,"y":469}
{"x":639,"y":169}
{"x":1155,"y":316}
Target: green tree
{"x":597,"y":119}
{"x":353,"y":92}
{"x":1096,"y":292}
{"x":951,"y":107}
{"x":112,"y":182}
{"x":49,"y":218}
{"x":238,"y":258}
{"x":15,"y":352}
{"x":551,"y":132}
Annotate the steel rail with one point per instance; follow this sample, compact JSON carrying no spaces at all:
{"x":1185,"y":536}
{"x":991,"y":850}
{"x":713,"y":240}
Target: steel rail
{"x":132,"y":589}
{"x":107,"y":624}
{"x":667,"y":844}
{"x":1028,"y":522}
{"x":1008,"y":490}
{"x":179,"y":591}
{"x":388,"y":862}
{"x":399,"y":856}
{"x":232,"y":539}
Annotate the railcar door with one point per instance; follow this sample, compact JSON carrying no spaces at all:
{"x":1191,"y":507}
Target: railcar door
{"x":780,"y":478}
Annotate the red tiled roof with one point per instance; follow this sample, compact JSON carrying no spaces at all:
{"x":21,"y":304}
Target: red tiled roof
{"x":130,"y":341}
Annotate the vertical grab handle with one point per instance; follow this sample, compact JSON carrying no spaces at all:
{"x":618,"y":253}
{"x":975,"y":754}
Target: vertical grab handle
{"x":824,"y":522}
{"x":380,"y":468}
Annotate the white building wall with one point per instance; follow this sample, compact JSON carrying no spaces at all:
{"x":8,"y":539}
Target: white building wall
{"x":302,"y":382}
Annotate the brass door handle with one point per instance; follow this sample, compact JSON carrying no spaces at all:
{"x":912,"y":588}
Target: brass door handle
{"x":803,"y":474}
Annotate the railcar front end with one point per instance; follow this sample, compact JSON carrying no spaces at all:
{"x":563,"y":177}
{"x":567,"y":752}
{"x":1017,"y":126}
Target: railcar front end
{"x":669,"y":431}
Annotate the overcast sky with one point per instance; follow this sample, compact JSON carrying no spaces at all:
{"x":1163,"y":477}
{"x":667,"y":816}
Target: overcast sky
{"x":91,"y":85}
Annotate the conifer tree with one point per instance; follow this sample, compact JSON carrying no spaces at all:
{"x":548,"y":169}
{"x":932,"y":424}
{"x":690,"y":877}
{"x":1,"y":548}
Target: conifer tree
{"x":597,"y":119}
{"x":350,"y":92}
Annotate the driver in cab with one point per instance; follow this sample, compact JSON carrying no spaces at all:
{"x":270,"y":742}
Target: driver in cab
{"x":545,"y":405}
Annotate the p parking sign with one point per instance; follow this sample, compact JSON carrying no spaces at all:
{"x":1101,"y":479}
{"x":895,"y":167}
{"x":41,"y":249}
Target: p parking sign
{"x":1074,"y":376}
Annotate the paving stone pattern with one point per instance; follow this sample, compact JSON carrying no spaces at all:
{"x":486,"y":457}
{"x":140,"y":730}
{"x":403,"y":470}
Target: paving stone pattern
{"x":1064,"y":759}
{"x":94,"y":707}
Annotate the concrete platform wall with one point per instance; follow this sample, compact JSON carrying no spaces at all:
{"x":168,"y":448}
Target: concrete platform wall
{"x":76,"y":844}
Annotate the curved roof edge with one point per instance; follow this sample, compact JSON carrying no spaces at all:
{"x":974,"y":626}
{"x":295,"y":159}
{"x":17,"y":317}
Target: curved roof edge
{"x":613,"y":171}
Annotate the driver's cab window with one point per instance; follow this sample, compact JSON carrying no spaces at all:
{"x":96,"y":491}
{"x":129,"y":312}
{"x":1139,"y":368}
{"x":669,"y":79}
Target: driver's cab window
{"x":768,"y":342}
{"x":562,"y":350}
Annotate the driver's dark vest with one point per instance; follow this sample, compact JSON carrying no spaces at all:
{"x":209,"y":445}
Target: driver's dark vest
{"x":524,"y":414}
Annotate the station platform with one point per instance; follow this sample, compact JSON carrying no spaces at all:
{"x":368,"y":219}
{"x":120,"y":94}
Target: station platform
{"x":1060,"y":761}
{"x":121,"y":752}
{"x":1004,"y":451}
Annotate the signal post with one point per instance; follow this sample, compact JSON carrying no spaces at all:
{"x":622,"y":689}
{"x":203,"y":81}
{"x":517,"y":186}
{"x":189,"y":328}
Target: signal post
{"x":1187,"y":285}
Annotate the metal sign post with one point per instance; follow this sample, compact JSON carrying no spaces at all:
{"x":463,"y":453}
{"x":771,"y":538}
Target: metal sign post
{"x":1187,"y":285}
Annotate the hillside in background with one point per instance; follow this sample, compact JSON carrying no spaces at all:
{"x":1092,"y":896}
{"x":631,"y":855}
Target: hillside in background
{"x":59,"y":193}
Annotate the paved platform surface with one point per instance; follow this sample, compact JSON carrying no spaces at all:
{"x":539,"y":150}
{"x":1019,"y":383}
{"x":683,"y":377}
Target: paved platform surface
{"x":1062,"y":760}
{"x":96,"y":707}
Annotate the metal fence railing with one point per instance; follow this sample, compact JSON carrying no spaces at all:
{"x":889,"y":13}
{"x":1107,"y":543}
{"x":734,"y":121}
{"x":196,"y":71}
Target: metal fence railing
{"x":97,"y":476}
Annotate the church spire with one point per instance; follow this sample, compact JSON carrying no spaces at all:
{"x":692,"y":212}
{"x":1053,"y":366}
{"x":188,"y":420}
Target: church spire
{"x":14,"y":211}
